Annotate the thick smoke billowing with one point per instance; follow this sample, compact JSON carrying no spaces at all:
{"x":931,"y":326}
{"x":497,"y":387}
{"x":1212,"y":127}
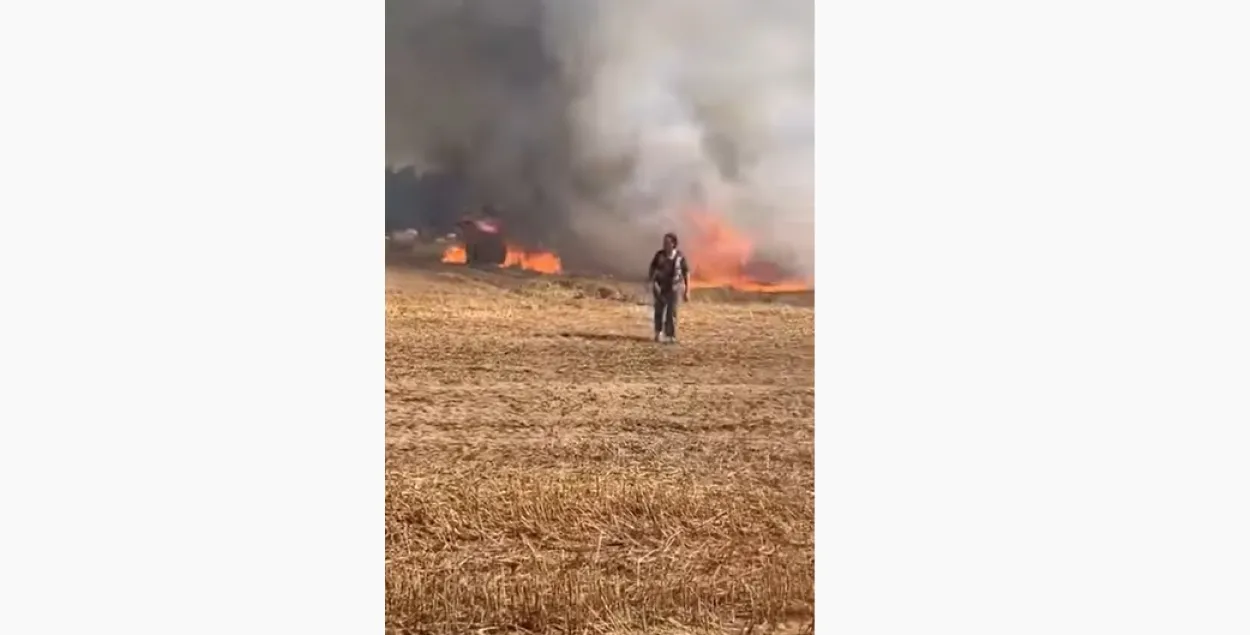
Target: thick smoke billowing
{"x":594,"y":125}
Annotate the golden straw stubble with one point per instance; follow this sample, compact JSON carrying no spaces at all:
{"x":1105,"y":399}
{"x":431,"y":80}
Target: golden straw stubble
{"x":549,"y":469}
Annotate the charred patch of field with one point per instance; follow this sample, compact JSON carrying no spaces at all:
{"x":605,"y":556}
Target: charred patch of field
{"x":549,"y":469}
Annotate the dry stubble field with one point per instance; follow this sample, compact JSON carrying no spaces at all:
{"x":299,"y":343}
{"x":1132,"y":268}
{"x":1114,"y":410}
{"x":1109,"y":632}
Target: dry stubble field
{"x":550,"y":469}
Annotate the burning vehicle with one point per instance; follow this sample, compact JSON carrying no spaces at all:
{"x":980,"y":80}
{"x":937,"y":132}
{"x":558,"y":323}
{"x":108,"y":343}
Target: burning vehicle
{"x":483,"y":241}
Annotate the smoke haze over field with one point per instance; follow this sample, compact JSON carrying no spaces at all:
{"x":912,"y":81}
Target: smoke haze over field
{"x":594,"y":125}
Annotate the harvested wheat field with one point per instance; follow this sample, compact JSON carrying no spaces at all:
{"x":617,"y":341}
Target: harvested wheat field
{"x":552,"y":470}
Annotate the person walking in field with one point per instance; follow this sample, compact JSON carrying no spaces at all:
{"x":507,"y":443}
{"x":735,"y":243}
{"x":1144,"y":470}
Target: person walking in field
{"x":669,"y":270}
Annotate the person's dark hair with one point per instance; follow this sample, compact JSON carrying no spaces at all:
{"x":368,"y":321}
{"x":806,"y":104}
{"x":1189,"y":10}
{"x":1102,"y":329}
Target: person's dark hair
{"x":673,"y":237}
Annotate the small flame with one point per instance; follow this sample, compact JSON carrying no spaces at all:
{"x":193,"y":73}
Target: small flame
{"x":722,"y":257}
{"x":455,"y":254}
{"x":537,"y":261}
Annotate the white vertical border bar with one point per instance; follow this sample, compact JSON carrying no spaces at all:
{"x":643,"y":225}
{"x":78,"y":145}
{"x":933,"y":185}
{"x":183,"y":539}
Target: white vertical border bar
{"x":191,"y":347}
{"x":1033,"y":369}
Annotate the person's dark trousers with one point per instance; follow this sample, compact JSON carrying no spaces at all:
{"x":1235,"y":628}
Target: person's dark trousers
{"x":666,"y":312}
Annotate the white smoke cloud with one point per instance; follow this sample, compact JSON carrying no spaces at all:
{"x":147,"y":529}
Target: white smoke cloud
{"x":600,"y":122}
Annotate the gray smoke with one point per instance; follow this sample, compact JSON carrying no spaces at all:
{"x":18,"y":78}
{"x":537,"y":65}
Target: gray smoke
{"x":594,"y":125}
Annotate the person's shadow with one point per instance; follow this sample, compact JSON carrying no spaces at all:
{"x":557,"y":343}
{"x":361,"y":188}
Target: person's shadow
{"x":605,"y":337}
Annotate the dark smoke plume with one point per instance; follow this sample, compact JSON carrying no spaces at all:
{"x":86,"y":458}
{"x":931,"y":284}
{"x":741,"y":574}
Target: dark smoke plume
{"x":594,"y":125}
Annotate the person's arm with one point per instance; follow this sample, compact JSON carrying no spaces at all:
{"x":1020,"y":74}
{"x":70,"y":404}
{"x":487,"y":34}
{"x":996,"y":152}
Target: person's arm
{"x":685,"y":278}
{"x":651,"y":281}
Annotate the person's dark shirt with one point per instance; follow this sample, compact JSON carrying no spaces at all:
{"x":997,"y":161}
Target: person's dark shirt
{"x":668,"y":271}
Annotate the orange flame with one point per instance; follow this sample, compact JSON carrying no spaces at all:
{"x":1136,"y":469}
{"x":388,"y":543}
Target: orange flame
{"x":455,"y":254}
{"x":537,"y":261}
{"x":720,"y":256}
{"x":540,"y":261}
